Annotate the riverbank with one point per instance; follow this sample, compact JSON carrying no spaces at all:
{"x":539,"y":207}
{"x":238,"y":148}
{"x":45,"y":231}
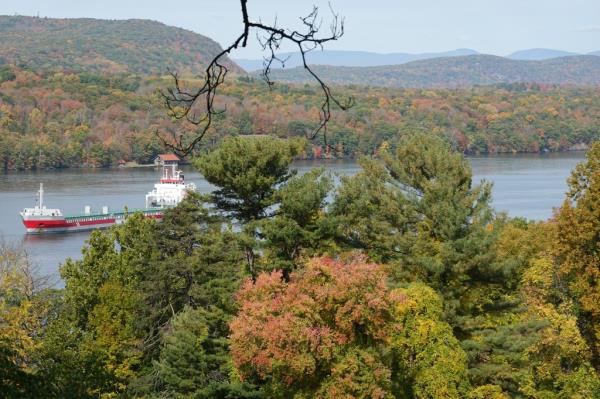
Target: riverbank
{"x":579,"y":148}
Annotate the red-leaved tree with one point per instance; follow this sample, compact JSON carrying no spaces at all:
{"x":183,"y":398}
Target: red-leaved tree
{"x":322,"y":334}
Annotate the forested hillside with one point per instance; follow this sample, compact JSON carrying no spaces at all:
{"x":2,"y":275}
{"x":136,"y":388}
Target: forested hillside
{"x":85,"y":44}
{"x":400,"y":283}
{"x":464,"y":71}
{"x":84,"y":119}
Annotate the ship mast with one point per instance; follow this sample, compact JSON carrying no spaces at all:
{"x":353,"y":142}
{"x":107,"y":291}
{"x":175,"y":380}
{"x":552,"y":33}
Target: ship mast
{"x":41,"y":195}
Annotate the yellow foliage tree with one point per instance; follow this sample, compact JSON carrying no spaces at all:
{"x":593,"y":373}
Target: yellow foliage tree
{"x":577,"y":249}
{"x":22,"y":313}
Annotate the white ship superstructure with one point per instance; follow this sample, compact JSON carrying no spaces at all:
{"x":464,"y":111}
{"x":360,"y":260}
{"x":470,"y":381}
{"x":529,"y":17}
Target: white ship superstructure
{"x":170,"y":190}
{"x":40,"y":212}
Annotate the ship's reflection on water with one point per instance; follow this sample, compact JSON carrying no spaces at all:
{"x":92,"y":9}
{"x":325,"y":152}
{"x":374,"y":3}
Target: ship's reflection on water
{"x":53,"y":238}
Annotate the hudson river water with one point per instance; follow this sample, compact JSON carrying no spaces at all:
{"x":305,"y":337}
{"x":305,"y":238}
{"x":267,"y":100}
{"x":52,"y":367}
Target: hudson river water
{"x":524,"y":185}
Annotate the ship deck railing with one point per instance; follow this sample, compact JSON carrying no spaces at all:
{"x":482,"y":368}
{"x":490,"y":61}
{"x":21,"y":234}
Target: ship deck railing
{"x":115,"y":215}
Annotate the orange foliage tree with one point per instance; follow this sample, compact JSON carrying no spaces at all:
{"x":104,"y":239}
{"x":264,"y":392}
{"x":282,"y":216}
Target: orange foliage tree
{"x":336,"y":330}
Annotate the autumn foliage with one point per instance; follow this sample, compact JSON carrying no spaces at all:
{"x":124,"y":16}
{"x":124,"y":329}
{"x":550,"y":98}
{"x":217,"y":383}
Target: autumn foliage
{"x":336,"y":329}
{"x":405,"y":285}
{"x":303,"y":333}
{"x":56,"y":119}
{"x":577,"y":252}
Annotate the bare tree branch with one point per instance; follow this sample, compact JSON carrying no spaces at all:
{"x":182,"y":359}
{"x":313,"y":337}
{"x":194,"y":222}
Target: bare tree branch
{"x":181,"y":102}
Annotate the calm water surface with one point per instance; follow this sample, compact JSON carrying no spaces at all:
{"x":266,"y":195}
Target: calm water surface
{"x":524,"y":185}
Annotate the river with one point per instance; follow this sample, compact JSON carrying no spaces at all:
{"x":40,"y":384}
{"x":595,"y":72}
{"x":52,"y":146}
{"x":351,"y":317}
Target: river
{"x":524,"y":185}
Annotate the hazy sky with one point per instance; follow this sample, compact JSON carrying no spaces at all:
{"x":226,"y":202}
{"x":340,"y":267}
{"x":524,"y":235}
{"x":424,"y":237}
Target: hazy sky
{"x":490,"y":26}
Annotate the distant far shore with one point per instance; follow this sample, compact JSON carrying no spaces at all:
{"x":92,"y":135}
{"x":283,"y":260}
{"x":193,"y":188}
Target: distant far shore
{"x":134,"y":165}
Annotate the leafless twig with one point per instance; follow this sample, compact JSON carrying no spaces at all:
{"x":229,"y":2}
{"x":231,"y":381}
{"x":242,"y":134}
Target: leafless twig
{"x":181,"y":102}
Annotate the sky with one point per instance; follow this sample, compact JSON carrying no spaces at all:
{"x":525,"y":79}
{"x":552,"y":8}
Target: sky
{"x":489,"y":26}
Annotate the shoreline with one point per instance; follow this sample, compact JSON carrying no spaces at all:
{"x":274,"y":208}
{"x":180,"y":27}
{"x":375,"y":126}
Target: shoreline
{"x":134,"y":165}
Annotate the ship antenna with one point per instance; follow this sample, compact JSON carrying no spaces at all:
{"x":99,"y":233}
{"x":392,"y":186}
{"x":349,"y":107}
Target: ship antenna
{"x":41,"y":194}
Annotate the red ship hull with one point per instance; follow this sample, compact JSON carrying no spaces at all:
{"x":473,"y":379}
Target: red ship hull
{"x":80,"y":223}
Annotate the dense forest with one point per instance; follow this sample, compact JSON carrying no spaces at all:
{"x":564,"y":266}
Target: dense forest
{"x":465,"y":71}
{"x":111,"y":46}
{"x":59,"y":119}
{"x":398,"y":282}
{"x":401,"y":282}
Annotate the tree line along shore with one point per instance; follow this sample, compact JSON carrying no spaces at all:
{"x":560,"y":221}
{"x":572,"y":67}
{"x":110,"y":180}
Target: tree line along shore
{"x":60,"y":119}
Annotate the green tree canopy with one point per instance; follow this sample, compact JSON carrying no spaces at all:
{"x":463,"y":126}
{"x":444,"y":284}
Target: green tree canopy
{"x":247,"y":172}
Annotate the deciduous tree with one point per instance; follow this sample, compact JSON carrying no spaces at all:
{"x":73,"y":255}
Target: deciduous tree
{"x":577,"y":250}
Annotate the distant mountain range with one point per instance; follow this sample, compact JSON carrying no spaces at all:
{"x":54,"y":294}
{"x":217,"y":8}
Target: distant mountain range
{"x":350,"y":58}
{"x":85,"y":44}
{"x":538,"y":54}
{"x":457,"y":72}
{"x":368,"y":59}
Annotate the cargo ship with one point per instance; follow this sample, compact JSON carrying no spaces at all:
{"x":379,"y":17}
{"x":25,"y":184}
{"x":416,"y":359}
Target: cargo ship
{"x":168,"y":192}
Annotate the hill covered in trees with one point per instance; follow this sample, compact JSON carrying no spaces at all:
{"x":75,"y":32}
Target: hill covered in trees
{"x":463,"y":71}
{"x":53,"y":120}
{"x":116,"y":46}
{"x":400,"y":283}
